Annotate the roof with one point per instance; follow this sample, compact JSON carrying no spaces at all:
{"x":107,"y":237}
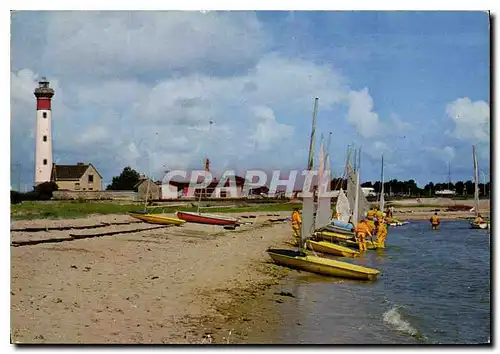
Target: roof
{"x":142,"y":180}
{"x":70,"y":172}
{"x":240,"y":181}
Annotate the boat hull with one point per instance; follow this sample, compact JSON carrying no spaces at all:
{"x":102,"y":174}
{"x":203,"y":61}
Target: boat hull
{"x":324,"y":266}
{"x":157,"y":219}
{"x":331,"y":248}
{"x":209,"y":219}
{"x":483,"y":225}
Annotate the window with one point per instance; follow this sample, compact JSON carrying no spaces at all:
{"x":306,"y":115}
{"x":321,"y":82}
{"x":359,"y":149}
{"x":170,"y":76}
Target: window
{"x":91,"y":178}
{"x":83,"y":188}
{"x":77,"y":186}
{"x":45,"y":138}
{"x":44,"y":161}
{"x":44,"y":114}
{"x":91,"y":189}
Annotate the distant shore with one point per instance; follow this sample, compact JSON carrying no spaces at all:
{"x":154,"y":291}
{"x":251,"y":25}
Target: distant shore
{"x":406,"y":208}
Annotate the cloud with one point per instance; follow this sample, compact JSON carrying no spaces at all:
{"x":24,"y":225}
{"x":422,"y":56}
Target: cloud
{"x":139,"y":88}
{"x":445,"y":154}
{"x":129,"y":43}
{"x":361,"y":113}
{"x":472,"y":119}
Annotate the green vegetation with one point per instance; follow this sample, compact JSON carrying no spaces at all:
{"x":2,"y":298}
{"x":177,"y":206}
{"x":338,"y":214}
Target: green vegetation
{"x":74,"y":209}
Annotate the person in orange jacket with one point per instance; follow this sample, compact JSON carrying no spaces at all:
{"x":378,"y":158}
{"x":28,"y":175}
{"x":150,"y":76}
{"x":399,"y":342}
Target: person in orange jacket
{"x":381,"y":232}
{"x":296,"y":225}
{"x":434,"y":221}
{"x":363,"y":230}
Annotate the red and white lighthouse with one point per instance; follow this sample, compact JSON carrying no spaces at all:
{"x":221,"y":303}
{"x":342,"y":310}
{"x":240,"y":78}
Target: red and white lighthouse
{"x":43,"y":146}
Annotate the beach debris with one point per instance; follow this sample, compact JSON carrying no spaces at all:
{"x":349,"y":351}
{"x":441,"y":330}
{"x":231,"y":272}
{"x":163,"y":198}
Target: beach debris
{"x":74,"y":267}
{"x":285,"y":293}
{"x":207,"y":339}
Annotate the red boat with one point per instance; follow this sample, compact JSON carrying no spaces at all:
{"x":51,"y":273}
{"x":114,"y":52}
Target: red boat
{"x":204,"y":218}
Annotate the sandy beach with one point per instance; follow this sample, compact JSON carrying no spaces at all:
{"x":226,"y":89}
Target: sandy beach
{"x":167,"y":285}
{"x":188,"y":284}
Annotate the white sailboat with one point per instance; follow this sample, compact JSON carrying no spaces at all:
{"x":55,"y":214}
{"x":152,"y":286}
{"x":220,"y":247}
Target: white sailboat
{"x":474,"y":224}
{"x":299,"y":259}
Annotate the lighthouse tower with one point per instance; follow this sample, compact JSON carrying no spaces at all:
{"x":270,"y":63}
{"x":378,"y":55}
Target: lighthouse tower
{"x":43,"y":146}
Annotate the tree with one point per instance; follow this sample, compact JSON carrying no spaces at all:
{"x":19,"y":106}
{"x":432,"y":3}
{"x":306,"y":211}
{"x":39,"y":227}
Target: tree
{"x":44,"y":190}
{"x":126,"y":181}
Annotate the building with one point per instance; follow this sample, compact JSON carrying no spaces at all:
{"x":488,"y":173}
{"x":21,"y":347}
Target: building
{"x":79,"y":177}
{"x":146,"y":187}
{"x":43,"y":145}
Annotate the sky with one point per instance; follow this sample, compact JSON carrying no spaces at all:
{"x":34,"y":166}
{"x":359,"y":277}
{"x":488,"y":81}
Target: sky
{"x":139,"y":89}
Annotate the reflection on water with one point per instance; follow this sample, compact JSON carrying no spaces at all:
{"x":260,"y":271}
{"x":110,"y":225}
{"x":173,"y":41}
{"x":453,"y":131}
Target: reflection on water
{"x":434,"y":288}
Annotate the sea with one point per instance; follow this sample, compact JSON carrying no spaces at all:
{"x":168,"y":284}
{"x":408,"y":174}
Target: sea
{"x":434,"y":288}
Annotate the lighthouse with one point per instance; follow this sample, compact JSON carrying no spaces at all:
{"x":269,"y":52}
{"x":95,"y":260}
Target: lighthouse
{"x":43,"y":146}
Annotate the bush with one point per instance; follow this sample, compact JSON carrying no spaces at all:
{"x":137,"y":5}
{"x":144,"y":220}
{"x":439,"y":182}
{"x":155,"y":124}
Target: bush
{"x":15,"y":197}
{"x":44,"y":190}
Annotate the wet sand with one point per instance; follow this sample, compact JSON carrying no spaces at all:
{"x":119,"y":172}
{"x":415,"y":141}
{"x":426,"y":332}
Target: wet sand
{"x":171,"y":285}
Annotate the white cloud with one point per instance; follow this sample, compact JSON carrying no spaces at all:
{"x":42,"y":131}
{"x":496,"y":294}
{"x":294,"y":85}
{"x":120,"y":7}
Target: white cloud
{"x":445,"y":154}
{"x":269,"y":132}
{"x":361,"y":113}
{"x":129,"y":43}
{"x":472,"y":119}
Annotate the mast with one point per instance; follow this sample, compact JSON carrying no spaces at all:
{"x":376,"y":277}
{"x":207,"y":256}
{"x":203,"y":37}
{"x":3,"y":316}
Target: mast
{"x":355,"y":213}
{"x":449,"y":175}
{"x":382,"y":201}
{"x":207,"y":165}
{"x":476,"y":186}
{"x":311,"y":141}
{"x":308,"y":202}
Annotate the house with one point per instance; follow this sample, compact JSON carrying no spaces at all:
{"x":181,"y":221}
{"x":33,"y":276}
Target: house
{"x":79,"y":177}
{"x":146,"y":187}
{"x":181,"y":189}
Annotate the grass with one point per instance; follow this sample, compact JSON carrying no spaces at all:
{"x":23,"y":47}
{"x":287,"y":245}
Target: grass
{"x":68,"y":210}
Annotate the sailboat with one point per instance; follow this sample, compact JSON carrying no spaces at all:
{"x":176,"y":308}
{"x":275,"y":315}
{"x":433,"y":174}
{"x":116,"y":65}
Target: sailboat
{"x":299,"y":259}
{"x":205,"y":218}
{"x":391,"y":221}
{"x":339,"y":232}
{"x":154,"y":218}
{"x":474,"y":224}
{"x":323,"y":214}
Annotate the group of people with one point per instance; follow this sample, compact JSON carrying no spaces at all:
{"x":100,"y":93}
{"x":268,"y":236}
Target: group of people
{"x":373,"y":225}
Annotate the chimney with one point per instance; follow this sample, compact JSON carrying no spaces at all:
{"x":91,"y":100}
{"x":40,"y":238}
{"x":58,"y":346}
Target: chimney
{"x":80,"y":164}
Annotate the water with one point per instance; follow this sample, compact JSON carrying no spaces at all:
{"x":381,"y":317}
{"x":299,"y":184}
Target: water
{"x":434,"y":288}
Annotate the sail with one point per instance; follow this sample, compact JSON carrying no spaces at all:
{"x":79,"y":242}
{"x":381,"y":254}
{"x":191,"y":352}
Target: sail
{"x":307,"y":218}
{"x":343,"y":207}
{"x":476,"y":186}
{"x":351,"y":185}
{"x":363,"y":205}
{"x":323,"y":214}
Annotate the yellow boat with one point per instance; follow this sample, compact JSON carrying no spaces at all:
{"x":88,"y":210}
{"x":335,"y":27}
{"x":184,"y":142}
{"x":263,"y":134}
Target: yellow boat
{"x":325,"y":266}
{"x":329,"y":235}
{"x":156,"y":219}
{"x":331,"y":248}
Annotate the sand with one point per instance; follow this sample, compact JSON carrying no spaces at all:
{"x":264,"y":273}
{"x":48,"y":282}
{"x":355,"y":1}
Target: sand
{"x":170,"y":285}
{"x":188,"y":285}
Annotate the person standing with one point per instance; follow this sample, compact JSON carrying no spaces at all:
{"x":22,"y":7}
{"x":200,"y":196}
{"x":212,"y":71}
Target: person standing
{"x":435,"y":221}
{"x":296,"y":225}
{"x":363,"y":230}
